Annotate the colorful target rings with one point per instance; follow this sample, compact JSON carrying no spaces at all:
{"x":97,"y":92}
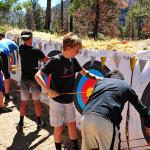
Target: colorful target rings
{"x":84,"y":85}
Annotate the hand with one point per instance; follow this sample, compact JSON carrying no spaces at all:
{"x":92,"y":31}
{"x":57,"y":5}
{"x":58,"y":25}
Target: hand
{"x":52,"y":93}
{"x":99,"y":78}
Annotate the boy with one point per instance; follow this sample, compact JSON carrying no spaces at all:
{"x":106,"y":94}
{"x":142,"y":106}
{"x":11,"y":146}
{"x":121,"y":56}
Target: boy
{"x":6,"y":72}
{"x":62,"y":69}
{"x":29,"y":64}
{"x":102,"y":113}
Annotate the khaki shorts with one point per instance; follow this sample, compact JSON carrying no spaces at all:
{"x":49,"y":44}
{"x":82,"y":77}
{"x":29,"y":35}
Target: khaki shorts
{"x":61,"y":113}
{"x":98,"y":133}
{"x":26,"y":86}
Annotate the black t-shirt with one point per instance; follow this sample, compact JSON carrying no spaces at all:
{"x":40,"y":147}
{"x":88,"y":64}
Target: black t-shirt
{"x":62,"y":72}
{"x":109,"y":97}
{"x":29,"y":61}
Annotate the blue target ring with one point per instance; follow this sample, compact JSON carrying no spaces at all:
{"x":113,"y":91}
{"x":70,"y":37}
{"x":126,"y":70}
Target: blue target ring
{"x":83,"y":83}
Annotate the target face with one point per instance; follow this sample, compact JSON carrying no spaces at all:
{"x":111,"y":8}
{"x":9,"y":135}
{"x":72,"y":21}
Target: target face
{"x":146,"y":101}
{"x":84,"y":85}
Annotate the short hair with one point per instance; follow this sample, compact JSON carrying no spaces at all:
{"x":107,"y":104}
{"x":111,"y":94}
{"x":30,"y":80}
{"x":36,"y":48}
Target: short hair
{"x":26,"y":35}
{"x":2,"y":34}
{"x":71,"y":40}
{"x":115,"y":74}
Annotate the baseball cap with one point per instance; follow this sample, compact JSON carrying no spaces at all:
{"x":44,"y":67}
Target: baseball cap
{"x":26,"y":34}
{"x":2,"y":34}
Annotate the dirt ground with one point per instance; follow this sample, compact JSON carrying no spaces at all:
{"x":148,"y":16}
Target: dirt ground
{"x":30,"y":139}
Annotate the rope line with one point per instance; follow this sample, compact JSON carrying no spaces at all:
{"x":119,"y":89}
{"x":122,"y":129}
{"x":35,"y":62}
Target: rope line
{"x":137,"y":139}
{"x":134,"y":147}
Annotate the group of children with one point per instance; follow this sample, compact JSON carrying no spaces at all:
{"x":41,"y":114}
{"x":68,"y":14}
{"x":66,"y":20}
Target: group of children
{"x":62,"y":68}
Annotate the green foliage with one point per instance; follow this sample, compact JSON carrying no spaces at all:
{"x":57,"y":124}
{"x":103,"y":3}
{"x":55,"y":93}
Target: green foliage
{"x":102,"y":37}
{"x":17,"y":19}
{"x":5,"y":5}
{"x":39,"y":17}
{"x":3,"y":28}
{"x":75,"y":5}
{"x":136,"y":17}
{"x":27,"y":4}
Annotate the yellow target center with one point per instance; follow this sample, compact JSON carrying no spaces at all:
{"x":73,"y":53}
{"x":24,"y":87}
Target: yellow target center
{"x":89,"y":92}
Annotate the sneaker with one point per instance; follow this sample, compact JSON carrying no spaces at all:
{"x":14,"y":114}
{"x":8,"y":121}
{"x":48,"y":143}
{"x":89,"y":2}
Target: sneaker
{"x":7,"y":100}
{"x":4,"y":110}
{"x":39,"y":126}
{"x":19,"y":127}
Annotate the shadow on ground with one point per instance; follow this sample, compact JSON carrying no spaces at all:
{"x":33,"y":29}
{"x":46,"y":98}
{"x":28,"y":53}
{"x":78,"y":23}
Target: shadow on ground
{"x":26,"y":140}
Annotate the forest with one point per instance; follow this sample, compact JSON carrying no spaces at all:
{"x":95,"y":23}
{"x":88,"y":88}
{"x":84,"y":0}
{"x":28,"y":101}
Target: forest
{"x":97,"y":19}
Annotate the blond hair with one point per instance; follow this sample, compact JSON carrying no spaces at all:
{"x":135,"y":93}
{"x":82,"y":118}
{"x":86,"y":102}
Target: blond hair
{"x":71,"y":40}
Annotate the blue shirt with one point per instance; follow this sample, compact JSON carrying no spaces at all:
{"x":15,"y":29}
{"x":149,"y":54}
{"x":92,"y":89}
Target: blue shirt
{"x":10,"y":44}
{"x":4,"y":48}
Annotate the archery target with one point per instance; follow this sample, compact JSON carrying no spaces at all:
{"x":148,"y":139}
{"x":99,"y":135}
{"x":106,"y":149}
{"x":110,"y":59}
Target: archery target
{"x":84,"y":85}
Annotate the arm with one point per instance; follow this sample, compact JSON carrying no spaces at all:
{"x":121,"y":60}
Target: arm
{"x":142,"y":109}
{"x":90,"y":75}
{"x":38,"y":77}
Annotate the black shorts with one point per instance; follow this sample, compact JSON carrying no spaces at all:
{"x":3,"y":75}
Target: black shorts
{"x":5,"y":65}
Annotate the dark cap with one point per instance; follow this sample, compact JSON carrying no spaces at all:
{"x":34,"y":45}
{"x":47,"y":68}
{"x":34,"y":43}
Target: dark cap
{"x":2,"y":34}
{"x":26,"y":35}
{"x":115,"y":74}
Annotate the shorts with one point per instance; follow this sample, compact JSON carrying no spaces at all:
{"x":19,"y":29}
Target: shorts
{"x":1,"y":82}
{"x":5,"y":66}
{"x":99,"y":133}
{"x":26,"y":85}
{"x":61,"y":113}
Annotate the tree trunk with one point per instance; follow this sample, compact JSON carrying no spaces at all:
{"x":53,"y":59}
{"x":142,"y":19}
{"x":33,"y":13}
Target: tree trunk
{"x":96,"y":26}
{"x":61,"y":20}
{"x":139,"y":27}
{"x":71,"y":21}
{"x":48,"y":16}
{"x":32,"y":25}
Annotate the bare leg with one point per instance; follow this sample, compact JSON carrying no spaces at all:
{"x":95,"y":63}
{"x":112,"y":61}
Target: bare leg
{"x":23,"y":106}
{"x":7,"y":86}
{"x":72,"y":130}
{"x":1,"y":100}
{"x":37,"y":106}
{"x":58,"y":134}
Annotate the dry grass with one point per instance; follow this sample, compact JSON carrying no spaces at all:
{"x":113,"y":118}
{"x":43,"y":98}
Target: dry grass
{"x":113,"y":44}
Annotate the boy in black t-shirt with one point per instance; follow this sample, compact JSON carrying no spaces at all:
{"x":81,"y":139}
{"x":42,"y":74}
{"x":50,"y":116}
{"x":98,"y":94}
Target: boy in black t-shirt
{"x":29,"y":64}
{"x":62,"y":69}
